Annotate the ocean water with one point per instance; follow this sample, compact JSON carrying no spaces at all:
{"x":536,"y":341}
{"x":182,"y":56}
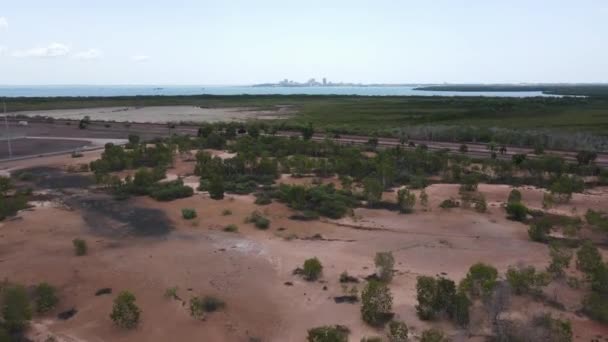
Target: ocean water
{"x":92,"y":90}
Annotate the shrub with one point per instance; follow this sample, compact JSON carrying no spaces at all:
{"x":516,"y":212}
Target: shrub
{"x":463,"y":148}
{"x":397,"y":331}
{"x":514,"y":196}
{"x":226,"y":212}
{"x":125,"y":312}
{"x":16,"y":310}
{"x":481,"y":206}
{"x":432,"y":335}
{"x":188,"y":213}
{"x":258,"y":220}
{"x":384,"y":265}
{"x":539,"y":232}
{"x":560,"y":259}
{"x":312,"y":269}
{"x":372,"y":339}
{"x":588,"y":258}
{"x":198,"y":306}
{"x":406,"y":200}
{"x":328,"y":333}
{"x":46,"y":297}
{"x":480,"y":280}
{"x":565,"y":185}
{"x":262,"y":199}
{"x":595,"y":305}
{"x":517,"y":211}
{"x":171,"y":293}
{"x":449,"y":203}
{"x":231,"y":228}
{"x":80,"y":247}
{"x":424,"y":198}
{"x":525,"y":280}
{"x":377,"y":302}
{"x":469,"y":183}
{"x":168,"y":191}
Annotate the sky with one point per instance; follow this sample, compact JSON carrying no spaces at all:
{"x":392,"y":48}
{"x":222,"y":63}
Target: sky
{"x":233,"y":42}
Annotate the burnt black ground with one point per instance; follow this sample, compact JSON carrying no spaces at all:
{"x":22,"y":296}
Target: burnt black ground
{"x":109,"y":217}
{"x":54,"y":178}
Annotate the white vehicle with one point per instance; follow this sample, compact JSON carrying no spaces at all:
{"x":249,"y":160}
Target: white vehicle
{"x":22,"y":123}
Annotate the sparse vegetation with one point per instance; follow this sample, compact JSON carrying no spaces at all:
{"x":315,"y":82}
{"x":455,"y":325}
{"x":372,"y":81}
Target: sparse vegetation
{"x":397,"y":331}
{"x":16,"y":310}
{"x":433,"y":335}
{"x":199,"y":306}
{"x":516,"y":211}
{"x":258,"y":220}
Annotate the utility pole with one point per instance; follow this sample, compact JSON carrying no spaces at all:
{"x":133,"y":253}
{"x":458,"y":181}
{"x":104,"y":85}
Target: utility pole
{"x":8,"y":134}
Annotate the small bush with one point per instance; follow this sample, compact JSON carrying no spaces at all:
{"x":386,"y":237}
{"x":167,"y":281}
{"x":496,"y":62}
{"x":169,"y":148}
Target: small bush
{"x":80,"y":247}
{"x":397,"y":331}
{"x":46,"y":298}
{"x":226,"y":212}
{"x":449,"y":203}
{"x":517,"y":211}
{"x":539,"y":232}
{"x":171,"y":293}
{"x":262,"y":199}
{"x":188,"y":213}
{"x":481,"y":206}
{"x":385,"y":263}
{"x":336,"y":333}
{"x":16,"y":310}
{"x":312,"y":269}
{"x":231,"y":228}
{"x":514,"y":196}
{"x":432,"y":335}
{"x":199,"y":306}
{"x":258,"y":220}
{"x":125,"y":312}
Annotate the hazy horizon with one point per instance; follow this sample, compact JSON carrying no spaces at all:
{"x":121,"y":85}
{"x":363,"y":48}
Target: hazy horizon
{"x":190,"y":43}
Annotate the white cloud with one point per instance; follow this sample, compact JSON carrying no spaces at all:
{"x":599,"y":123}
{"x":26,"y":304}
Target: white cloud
{"x":2,"y":50}
{"x":88,"y":54}
{"x":140,"y":58}
{"x":3,"y":23}
{"x":52,"y":50}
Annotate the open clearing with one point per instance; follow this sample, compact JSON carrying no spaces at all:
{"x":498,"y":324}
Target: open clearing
{"x":146,"y":247}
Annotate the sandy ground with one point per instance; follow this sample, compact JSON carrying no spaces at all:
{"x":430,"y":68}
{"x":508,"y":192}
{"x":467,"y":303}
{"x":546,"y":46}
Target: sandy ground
{"x":162,"y":113}
{"x":249,"y":269}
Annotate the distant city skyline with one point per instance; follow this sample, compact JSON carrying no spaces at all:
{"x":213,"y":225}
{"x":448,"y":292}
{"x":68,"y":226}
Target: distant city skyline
{"x":243,"y":42}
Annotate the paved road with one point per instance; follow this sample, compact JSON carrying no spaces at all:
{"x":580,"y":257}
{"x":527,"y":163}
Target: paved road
{"x":101,"y":130}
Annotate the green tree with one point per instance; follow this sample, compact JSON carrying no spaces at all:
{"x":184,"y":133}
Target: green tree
{"x":406,"y":200}
{"x":125,"y":312}
{"x":16,"y":310}
{"x":385,"y":263}
{"x":216,"y":188}
{"x":480,"y":280}
{"x":426,"y":294}
{"x":308,"y":131}
{"x":514,"y":196}
{"x":312,"y":269}
{"x":376,"y":302}
{"x":372,"y":190}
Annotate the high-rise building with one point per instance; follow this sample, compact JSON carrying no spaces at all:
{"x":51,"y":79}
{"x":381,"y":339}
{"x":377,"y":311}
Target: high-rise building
{"x":324,"y":81}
